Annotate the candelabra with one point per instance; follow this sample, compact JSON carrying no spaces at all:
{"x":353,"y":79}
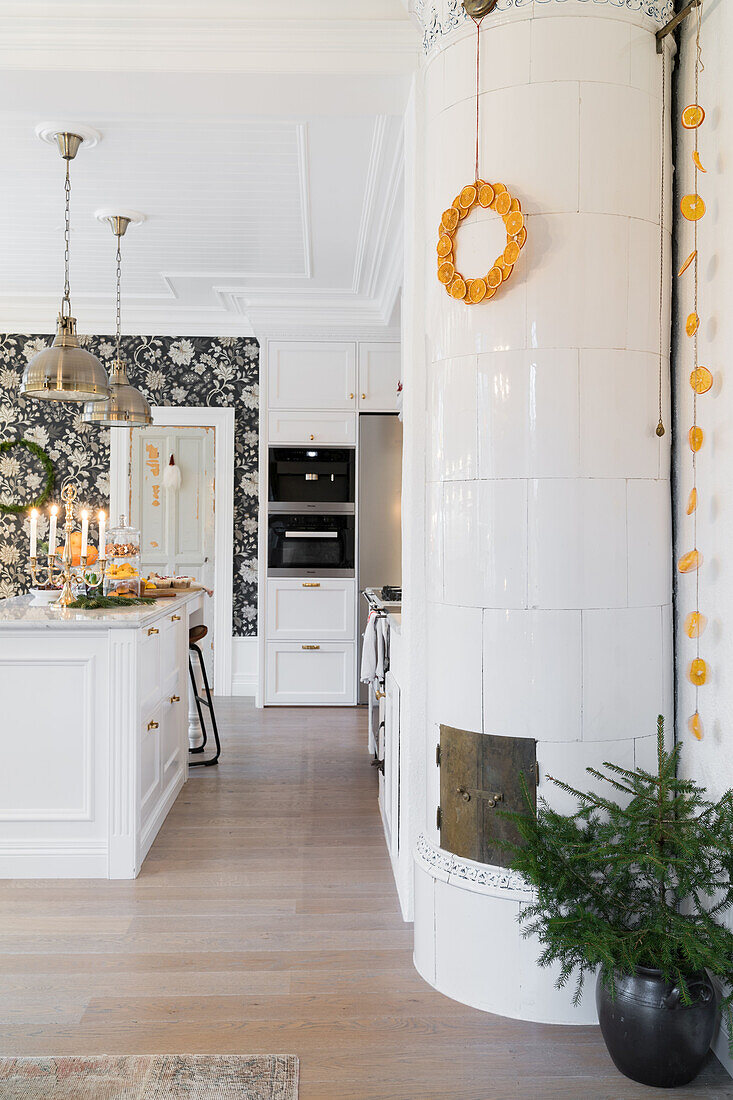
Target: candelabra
{"x":90,"y":576}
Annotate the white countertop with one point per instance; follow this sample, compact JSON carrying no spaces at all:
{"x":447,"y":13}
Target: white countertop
{"x":17,"y":612}
{"x":392,"y":609}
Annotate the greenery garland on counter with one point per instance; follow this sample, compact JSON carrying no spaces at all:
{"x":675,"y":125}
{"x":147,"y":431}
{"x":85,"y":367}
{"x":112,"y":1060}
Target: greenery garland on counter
{"x":107,"y":603}
{"x":43,"y":458}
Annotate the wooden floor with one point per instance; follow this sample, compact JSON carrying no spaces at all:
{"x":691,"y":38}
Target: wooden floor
{"x":265,"y":921}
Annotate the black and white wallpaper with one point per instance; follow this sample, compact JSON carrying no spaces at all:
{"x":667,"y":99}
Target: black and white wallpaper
{"x":197,"y":370}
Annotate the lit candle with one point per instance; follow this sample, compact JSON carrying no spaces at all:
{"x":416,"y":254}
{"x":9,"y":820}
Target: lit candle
{"x":34,"y":531}
{"x":52,"y":531}
{"x":84,"y":533}
{"x":102,"y":536}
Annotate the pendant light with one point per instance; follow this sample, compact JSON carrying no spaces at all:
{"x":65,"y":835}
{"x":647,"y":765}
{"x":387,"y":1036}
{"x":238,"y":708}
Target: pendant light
{"x":65,"y":371}
{"x":125,"y":405}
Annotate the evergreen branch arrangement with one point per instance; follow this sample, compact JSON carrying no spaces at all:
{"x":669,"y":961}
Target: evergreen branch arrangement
{"x":642,"y":883}
{"x":44,"y":459}
{"x":108,"y":603}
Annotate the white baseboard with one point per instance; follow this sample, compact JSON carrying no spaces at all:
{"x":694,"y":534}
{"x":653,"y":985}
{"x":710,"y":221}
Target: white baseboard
{"x":244,"y":666}
{"x":51,"y":859}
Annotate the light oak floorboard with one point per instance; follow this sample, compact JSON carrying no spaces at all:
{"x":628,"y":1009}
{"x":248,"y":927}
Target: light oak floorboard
{"x":265,"y":920}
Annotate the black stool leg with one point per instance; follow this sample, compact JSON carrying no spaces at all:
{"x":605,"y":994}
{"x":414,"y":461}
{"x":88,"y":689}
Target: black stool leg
{"x":194,"y":685}
{"x":208,"y":702}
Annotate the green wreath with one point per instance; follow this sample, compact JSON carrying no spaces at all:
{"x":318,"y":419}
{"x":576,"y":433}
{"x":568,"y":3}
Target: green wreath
{"x":40,"y":454}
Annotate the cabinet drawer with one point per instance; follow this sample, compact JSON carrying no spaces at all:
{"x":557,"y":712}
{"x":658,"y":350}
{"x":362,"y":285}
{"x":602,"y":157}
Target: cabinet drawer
{"x":171,"y":642}
{"x":311,"y":374}
{"x":173,"y":739}
{"x":150,"y":733}
{"x":311,"y":673}
{"x":322,"y":609}
{"x":150,"y":666}
{"x":380,"y":367}
{"x":338,"y":429}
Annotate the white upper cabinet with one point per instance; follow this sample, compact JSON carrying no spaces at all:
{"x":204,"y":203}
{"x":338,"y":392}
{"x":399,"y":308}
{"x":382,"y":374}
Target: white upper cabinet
{"x":380,"y":370}
{"x":311,"y":375}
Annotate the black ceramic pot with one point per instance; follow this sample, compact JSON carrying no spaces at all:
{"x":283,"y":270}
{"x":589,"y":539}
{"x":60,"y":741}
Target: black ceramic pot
{"x":651,"y":1036}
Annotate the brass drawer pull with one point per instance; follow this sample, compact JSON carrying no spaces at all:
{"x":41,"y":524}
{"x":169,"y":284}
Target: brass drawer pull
{"x":311,"y":584}
{"x":153,"y":630}
{"x":175,"y":618}
{"x":310,"y":647}
{"x":363,"y":397}
{"x":152,"y":725}
{"x":175,"y":698}
{"x":381,"y":694}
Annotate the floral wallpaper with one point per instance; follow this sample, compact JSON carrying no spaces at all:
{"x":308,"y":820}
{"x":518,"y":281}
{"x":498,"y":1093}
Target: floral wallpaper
{"x":169,"y":371}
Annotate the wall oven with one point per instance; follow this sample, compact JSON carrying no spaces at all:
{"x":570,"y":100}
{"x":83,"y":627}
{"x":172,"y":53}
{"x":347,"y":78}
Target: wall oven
{"x":319,"y":545}
{"x":304,"y":478}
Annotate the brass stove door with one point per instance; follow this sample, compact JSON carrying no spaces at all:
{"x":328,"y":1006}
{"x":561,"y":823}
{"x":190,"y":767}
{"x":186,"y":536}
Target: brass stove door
{"x":479,"y":773}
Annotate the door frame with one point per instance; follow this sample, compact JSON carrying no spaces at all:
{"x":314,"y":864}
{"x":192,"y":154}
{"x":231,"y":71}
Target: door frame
{"x":196,"y":416}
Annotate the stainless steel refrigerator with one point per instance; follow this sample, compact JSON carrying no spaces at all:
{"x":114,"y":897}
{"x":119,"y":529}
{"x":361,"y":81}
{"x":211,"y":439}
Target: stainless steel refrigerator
{"x":380,"y":510}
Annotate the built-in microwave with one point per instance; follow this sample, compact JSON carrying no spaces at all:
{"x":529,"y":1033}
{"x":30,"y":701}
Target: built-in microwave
{"x":321,"y":545}
{"x":306,"y":478}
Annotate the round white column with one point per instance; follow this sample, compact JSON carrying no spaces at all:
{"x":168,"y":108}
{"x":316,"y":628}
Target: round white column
{"x":548,"y":497}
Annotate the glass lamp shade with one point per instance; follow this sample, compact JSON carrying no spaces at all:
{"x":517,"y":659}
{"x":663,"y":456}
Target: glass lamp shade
{"x":65,"y":372}
{"x":125,"y":405}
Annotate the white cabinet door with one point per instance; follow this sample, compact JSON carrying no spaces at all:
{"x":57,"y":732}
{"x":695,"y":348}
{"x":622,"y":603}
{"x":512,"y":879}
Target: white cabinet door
{"x":389,"y":788}
{"x":173,"y":729}
{"x":311,"y":375}
{"x":338,"y":429}
{"x":311,"y":673}
{"x":380,"y":370}
{"x":150,"y":778}
{"x":322,"y":609}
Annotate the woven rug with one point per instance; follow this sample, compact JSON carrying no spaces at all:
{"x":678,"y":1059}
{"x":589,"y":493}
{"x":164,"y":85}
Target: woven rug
{"x":157,"y":1077}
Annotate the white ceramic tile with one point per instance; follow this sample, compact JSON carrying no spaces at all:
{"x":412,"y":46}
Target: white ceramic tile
{"x":462,"y":567}
{"x":667,"y":708}
{"x":649,"y":529}
{"x":505,"y":51}
{"x":643,"y":289}
{"x":528,"y":413}
{"x":541,"y":1000}
{"x":502,"y":545}
{"x":434,"y":85}
{"x":580,"y":49}
{"x":454,"y":666}
{"x":577,"y":543}
{"x":577,"y":289}
{"x":456,"y":386}
{"x":454,"y":162}
{"x":619,"y":151}
{"x":618,"y":414}
{"x":434,"y":537}
{"x":434,"y":423}
{"x":568,"y":762}
{"x":623,"y":661}
{"x":533,"y":674}
{"x":424,"y":926}
{"x":646,"y":68}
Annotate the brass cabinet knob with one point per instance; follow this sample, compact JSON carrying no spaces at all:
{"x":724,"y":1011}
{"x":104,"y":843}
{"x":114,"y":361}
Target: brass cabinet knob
{"x":153,"y":630}
{"x":310,"y":647}
{"x":463,"y":793}
{"x":152,"y":725}
{"x":313,"y":437}
{"x":175,"y":698}
{"x":363,"y":397}
{"x":175,"y":618}
{"x":351,"y":397}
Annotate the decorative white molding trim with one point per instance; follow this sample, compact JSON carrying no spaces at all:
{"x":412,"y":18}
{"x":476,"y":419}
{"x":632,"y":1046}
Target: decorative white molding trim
{"x":479,"y":878}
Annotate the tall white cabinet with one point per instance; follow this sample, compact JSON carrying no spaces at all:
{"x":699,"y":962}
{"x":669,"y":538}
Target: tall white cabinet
{"x":313,"y":391}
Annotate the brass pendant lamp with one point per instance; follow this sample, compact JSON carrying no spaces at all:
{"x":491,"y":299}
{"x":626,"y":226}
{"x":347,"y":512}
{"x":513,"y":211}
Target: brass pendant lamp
{"x":125,"y":405}
{"x":65,"y":371}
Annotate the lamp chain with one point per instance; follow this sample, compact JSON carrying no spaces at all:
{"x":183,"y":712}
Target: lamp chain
{"x":118,"y":304}
{"x":66,"y":300}
{"x":660,"y":423}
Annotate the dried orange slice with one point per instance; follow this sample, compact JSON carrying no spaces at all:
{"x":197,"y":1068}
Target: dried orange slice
{"x":485,"y":194}
{"x":693,"y":116}
{"x":449,"y":221}
{"x":692,"y":502}
{"x":467,"y":196}
{"x":695,"y":437}
{"x":511,"y":253}
{"x":462,"y":210}
{"x":697,"y":673}
{"x":476,"y":291}
{"x":697,"y":162}
{"x":701,"y":380}
{"x":457,"y":288}
{"x":516,"y":205}
{"x":692,"y":207}
{"x":490,"y":292}
{"x":446,"y":271}
{"x":692,"y":324}
{"x":445,"y":246}
{"x":690,"y":562}
{"x":521,"y":236}
{"x":503,"y":202}
{"x":494,"y":278}
{"x":687,"y":262}
{"x":694,"y":725}
{"x":695,"y":624}
{"x":514,"y":222}
{"x":506,"y":271}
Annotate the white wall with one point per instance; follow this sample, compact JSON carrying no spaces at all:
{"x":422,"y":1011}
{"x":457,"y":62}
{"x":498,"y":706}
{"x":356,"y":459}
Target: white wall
{"x":244,"y":666}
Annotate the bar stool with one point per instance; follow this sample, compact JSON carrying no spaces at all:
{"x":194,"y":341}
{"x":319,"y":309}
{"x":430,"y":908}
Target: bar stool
{"x":195,"y":635}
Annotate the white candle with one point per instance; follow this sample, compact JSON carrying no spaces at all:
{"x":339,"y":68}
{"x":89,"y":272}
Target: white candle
{"x":52,"y":530}
{"x":34,"y":531}
{"x":84,"y":533}
{"x":102,"y":536}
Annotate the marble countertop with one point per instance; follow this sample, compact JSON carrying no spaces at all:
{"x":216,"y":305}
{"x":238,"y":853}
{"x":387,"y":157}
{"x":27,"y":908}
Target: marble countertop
{"x":17,"y":612}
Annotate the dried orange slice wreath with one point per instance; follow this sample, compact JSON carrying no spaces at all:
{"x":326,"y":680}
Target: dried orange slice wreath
{"x":493,"y":196}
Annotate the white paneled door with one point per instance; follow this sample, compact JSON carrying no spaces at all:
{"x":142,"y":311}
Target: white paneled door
{"x":178,"y":526}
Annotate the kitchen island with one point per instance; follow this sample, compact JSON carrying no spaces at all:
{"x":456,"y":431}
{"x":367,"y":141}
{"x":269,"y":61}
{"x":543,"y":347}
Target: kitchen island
{"x":94,"y":734}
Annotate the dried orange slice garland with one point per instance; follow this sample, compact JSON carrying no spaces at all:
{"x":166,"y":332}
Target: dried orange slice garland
{"x":491,"y":196}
